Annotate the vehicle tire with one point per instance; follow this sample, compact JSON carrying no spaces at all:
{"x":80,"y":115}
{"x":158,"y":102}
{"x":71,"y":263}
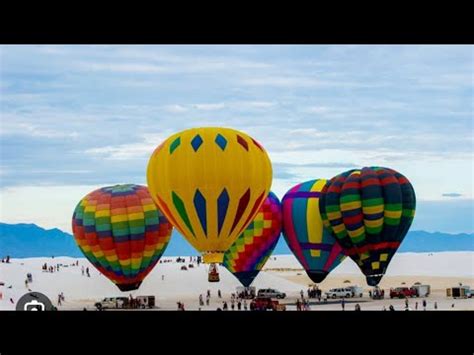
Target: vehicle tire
{"x":348,"y":295}
{"x":334,"y":296}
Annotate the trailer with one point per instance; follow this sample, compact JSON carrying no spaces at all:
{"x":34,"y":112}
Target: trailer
{"x":458,"y":292}
{"x":422,"y":290}
{"x":357,"y":291}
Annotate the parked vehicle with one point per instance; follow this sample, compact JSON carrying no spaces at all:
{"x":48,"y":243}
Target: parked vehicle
{"x":112,"y":302}
{"x":271,"y":293}
{"x":422,"y":290}
{"x":459,"y":292}
{"x":339,"y":293}
{"x":402,"y":292}
{"x":356,"y":291}
{"x":146,"y":301}
{"x":266,"y":303}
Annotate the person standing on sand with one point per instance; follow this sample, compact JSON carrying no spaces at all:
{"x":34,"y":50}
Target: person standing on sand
{"x":406,"y":302}
{"x":219,"y":294}
{"x":208,"y":299}
{"x":162,"y":277}
{"x":82,"y":269}
{"x":436,"y":305}
{"x":343,"y":303}
{"x":357,"y":307}
{"x":201,"y":302}
{"x":391,"y":308}
{"x":59,"y":300}
{"x":239,"y":305}
{"x":224,"y":307}
{"x":302,"y":294}
{"x":87,"y":272}
{"x":245,"y":305}
{"x":416,"y":305}
{"x":306,"y":306}
{"x":424,"y":305}
{"x":209,"y":293}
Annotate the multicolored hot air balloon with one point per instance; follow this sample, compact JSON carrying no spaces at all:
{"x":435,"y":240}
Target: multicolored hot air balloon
{"x":369,"y":211}
{"x":246,"y":257}
{"x":210,"y":182}
{"x":121,"y":232}
{"x":314,"y":247}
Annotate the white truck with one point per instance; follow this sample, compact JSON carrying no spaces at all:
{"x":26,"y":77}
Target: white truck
{"x":345,"y":292}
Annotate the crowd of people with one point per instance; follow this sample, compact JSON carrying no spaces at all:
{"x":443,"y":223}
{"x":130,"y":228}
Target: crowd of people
{"x":314,"y":292}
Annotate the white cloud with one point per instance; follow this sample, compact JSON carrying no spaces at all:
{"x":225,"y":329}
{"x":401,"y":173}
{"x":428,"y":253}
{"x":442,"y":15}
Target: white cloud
{"x":123,"y":67}
{"x":128,"y":151}
{"x":32,"y":130}
{"x":47,"y":206}
{"x":210,"y":107}
{"x":317,"y":109}
{"x":175,"y":108}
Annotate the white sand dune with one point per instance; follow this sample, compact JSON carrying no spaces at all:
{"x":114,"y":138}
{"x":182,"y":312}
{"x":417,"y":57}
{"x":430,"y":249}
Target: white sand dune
{"x":282,"y":272}
{"x":457,"y":264}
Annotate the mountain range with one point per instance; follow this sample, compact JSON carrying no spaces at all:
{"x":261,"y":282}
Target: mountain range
{"x":29,"y":240}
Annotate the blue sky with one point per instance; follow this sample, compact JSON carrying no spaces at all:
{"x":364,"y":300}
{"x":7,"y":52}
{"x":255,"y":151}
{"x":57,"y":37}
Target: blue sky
{"x":74,"y":118}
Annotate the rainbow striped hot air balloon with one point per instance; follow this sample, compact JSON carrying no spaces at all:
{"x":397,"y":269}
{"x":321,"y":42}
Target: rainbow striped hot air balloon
{"x":246,"y":257}
{"x":121,"y":232}
{"x":210,"y":182}
{"x":369,"y":211}
{"x":314,"y":247}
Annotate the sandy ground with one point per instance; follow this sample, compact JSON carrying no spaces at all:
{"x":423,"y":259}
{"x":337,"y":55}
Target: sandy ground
{"x":169,"y":284}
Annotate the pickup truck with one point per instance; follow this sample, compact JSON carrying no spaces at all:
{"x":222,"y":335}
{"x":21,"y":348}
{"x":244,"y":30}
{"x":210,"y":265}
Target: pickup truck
{"x":272,"y":293}
{"x":339,"y":293}
{"x":265,"y":303}
{"x":402,"y":292}
{"x":112,"y":302}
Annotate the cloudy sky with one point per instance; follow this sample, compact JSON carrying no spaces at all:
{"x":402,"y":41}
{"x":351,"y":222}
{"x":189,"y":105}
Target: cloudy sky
{"x":75,"y":118}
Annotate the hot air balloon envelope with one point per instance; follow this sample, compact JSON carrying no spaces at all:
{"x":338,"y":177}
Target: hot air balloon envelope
{"x":369,"y":211}
{"x":210,"y":182}
{"x":249,"y":253}
{"x":314,"y":247}
{"x":121,"y":232}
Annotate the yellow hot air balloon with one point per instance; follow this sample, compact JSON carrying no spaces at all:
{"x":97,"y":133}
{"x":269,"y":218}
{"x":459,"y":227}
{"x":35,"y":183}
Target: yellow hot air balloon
{"x":210,"y":182}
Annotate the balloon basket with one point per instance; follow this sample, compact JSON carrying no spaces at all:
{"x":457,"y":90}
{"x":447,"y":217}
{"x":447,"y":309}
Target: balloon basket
{"x":213,"y":275}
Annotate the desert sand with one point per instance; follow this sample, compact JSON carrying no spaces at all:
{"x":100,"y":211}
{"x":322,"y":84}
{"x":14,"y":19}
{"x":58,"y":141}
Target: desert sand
{"x":169,"y":284}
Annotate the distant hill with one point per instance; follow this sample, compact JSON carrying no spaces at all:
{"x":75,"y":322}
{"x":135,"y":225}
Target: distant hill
{"x":421,"y":241}
{"x":29,"y":240}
